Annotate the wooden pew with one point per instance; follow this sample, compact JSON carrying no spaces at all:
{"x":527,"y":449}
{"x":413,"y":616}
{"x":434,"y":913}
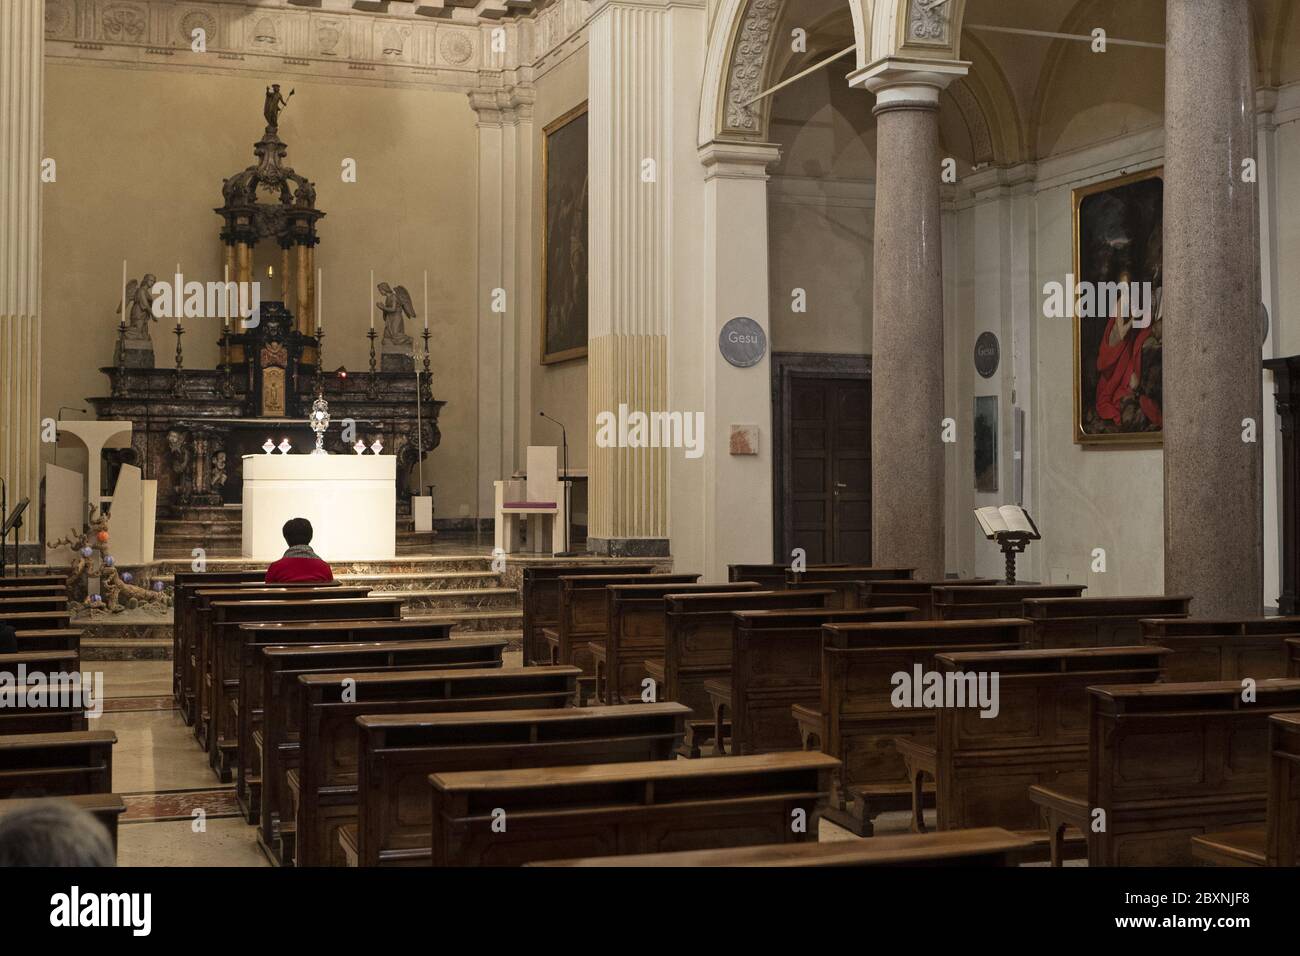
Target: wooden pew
{"x":635,"y":634}
{"x":697,"y":648}
{"x":185,"y":612}
{"x":1096,"y":621}
{"x":913,"y":593}
{"x":56,"y":764}
{"x":20,"y":589}
{"x":540,"y":596}
{"x":584,"y":615}
{"x":324,"y":787}
{"x":276,"y":743}
{"x":770,"y":576}
{"x":856,"y":720}
{"x":776,"y":663}
{"x":104,"y":807}
{"x":28,"y":603}
{"x":965,"y":601}
{"x":37,"y":620}
{"x":33,"y":580}
{"x":983,"y":766}
{"x":226,"y":641}
{"x":202,"y":645}
{"x":1168,"y":762}
{"x":557,"y":812}
{"x":1222,"y":649}
{"x":399,"y":752}
{"x":845,"y":581}
{"x":68,"y":639}
{"x":986,"y":846}
{"x":1277,"y":843}
{"x":62,"y":716}
{"x":250,"y":699}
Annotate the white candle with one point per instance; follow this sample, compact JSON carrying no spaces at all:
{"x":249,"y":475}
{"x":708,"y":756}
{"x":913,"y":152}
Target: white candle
{"x":178,"y":291}
{"x":225,"y":297}
{"x":124,"y":292}
{"x":369,"y":295}
{"x":426,"y":299}
{"x":319,"y":306}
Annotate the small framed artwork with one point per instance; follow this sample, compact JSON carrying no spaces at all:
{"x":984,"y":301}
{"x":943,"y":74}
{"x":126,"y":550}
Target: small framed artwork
{"x":986,"y":444}
{"x":564,"y":238}
{"x":1118,"y":317}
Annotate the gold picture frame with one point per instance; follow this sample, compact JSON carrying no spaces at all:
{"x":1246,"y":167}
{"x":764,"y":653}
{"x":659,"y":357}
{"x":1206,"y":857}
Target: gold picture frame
{"x":563,"y":308}
{"x":1117,"y":228}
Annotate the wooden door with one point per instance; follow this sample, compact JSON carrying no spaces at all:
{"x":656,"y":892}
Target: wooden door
{"x":827,"y":445}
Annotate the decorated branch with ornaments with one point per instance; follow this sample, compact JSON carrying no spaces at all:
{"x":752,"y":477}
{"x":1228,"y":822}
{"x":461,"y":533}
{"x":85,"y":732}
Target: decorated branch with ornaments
{"x":118,"y":590}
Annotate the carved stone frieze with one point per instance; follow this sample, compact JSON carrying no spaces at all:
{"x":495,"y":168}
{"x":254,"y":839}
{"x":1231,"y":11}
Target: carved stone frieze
{"x":748,"y":67}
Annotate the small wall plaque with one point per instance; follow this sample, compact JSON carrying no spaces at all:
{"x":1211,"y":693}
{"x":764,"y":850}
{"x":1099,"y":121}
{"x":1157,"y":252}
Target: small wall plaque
{"x":987,"y":354}
{"x":742,"y":342}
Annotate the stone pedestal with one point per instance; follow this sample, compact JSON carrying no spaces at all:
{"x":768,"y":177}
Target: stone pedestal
{"x":1212,"y":354}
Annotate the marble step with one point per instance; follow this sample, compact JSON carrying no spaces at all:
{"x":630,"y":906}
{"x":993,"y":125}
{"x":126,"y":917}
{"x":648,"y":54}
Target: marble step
{"x":453,"y":601}
{"x":473,"y":621}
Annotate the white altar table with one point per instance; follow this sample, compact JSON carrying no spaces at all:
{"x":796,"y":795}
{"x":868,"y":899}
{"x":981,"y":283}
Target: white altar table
{"x":350,"y":500}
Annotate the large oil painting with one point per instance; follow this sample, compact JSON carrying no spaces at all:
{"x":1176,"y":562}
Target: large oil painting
{"x":1118,"y":324}
{"x":564,"y":241}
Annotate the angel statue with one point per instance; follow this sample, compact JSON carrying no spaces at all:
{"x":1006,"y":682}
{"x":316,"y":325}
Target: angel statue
{"x":397,"y":307}
{"x":136,"y":341}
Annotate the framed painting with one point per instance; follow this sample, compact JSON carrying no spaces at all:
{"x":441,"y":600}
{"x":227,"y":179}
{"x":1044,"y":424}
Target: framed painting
{"x":564,"y":238}
{"x":1117,"y":309}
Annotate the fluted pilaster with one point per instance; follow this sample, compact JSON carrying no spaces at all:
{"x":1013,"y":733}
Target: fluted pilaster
{"x":21,"y":103}
{"x":630,"y":287}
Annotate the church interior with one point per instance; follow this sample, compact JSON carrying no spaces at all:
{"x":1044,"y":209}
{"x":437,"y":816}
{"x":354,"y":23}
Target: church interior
{"x":736,"y":431}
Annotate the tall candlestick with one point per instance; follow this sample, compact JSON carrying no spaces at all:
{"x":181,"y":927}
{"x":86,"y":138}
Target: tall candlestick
{"x":370,"y":297}
{"x":426,"y":298}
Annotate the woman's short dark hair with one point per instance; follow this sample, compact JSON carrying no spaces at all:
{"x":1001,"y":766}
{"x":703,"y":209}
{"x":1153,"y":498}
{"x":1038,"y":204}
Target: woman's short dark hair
{"x":297,"y":531}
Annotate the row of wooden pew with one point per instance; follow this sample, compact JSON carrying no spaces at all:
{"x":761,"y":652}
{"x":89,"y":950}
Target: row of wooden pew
{"x":355,"y":737}
{"x":50,"y":750}
{"x":385,"y":742}
{"x":778,"y":677}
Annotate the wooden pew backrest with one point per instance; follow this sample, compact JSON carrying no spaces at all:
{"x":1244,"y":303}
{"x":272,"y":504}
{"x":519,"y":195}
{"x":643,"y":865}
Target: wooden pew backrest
{"x":1208,"y":650}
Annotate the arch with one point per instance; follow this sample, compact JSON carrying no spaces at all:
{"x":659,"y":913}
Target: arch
{"x":738,"y":61}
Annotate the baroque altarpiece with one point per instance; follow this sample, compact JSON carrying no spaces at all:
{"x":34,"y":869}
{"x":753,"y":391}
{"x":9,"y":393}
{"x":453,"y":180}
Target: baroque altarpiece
{"x":193,"y":426}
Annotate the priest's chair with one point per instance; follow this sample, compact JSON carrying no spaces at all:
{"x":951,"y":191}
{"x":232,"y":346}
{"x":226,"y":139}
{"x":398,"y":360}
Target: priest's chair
{"x":539,"y":497}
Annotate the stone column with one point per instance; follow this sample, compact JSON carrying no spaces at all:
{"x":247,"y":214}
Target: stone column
{"x":646,"y":60}
{"x":907,"y":352}
{"x":1213,"y":334}
{"x":22,"y":38}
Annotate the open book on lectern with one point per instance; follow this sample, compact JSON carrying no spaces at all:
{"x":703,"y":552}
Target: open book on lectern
{"x":1008,"y":519}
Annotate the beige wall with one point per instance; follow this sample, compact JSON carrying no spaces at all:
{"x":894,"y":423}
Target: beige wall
{"x":821,"y":215}
{"x":559,"y":390}
{"x":141,"y":155}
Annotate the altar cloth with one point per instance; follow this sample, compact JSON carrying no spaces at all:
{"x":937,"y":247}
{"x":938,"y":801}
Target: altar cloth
{"x":350,"y":500}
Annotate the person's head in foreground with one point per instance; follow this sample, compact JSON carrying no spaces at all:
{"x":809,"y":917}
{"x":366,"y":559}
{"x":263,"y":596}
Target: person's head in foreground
{"x":54,"y":833}
{"x":300,"y":564}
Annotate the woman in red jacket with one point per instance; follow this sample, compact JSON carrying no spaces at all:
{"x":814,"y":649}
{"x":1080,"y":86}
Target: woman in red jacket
{"x":300,"y":564}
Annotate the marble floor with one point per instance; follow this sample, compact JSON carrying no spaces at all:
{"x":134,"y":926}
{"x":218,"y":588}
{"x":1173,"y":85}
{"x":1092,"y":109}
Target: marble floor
{"x":177,"y":813}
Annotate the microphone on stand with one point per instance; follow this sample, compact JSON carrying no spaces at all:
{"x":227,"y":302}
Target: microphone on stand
{"x":564,"y":440}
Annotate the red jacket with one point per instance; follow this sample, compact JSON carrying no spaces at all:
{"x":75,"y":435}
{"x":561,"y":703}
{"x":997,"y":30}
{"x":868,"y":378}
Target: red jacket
{"x":298,"y":571}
